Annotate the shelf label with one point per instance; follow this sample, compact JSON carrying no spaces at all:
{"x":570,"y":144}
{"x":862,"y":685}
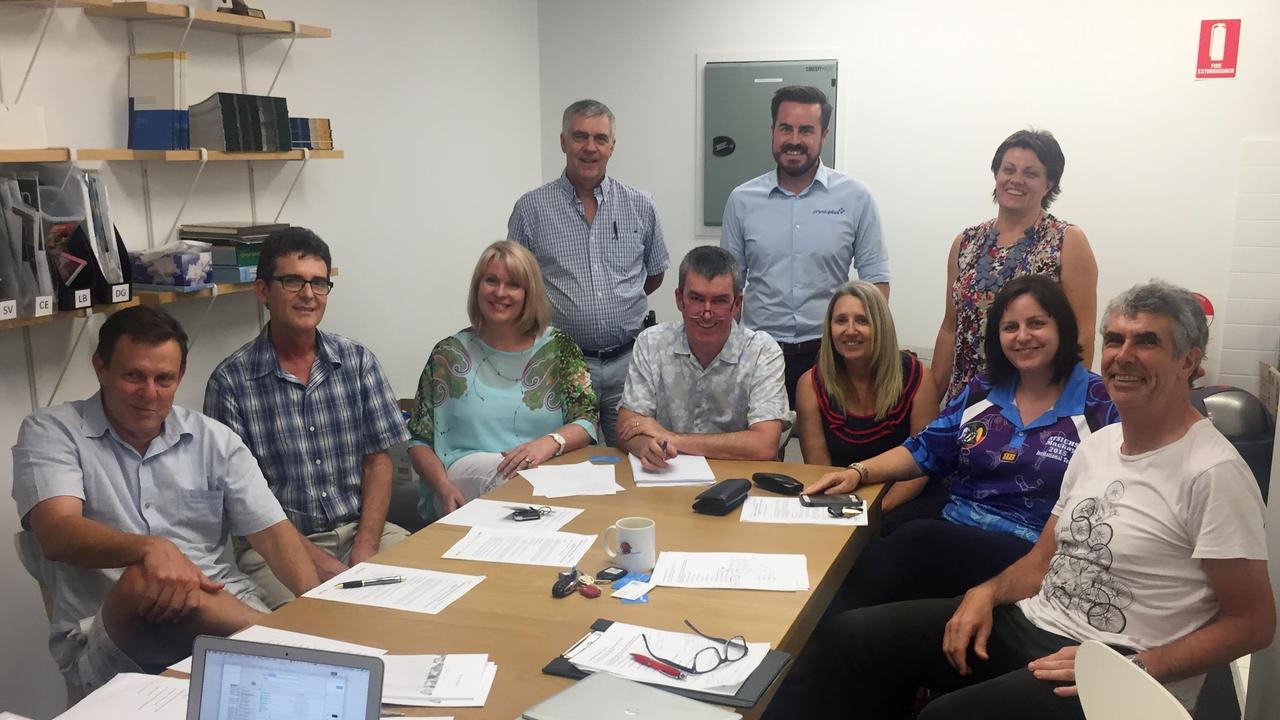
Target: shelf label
{"x":44,"y":306}
{"x":8,"y":310}
{"x":120,"y":293}
{"x":83,"y":298}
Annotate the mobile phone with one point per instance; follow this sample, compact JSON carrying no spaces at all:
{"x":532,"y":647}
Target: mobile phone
{"x":611,"y":573}
{"x":849,"y":500}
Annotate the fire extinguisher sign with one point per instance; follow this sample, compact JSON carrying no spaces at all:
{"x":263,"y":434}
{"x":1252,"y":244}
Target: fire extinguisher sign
{"x":1219,"y":45}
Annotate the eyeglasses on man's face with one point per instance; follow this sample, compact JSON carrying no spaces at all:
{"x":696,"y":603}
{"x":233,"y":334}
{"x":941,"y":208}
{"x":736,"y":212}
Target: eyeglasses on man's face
{"x":709,"y":658}
{"x":294,"y":283}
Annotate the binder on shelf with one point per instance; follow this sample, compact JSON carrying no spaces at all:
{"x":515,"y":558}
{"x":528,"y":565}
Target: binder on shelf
{"x":234,"y":274}
{"x":241,"y":255}
{"x":313,"y":133}
{"x":753,"y":688}
{"x":158,"y":115}
{"x":235,"y":122}
{"x":231,"y":228}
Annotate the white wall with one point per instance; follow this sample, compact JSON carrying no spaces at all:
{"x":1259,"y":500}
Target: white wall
{"x":927,"y":92}
{"x":435,"y":105}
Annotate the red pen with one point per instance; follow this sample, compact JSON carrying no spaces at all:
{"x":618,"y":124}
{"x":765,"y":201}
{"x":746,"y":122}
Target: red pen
{"x":658,"y":665}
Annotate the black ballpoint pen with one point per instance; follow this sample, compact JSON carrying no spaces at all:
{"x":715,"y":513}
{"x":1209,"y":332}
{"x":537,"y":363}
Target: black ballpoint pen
{"x":615,"y":229}
{"x":351,"y":584}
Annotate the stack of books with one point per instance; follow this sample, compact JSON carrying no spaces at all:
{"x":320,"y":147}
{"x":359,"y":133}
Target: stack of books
{"x":236,"y":246}
{"x":233,"y":122}
{"x":313,"y":133}
{"x":158,"y":116}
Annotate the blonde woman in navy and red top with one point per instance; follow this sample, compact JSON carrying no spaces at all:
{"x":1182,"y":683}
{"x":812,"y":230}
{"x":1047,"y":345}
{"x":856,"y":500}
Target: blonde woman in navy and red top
{"x":864,"y":396}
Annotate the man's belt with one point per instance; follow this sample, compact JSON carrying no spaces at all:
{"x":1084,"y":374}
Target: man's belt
{"x":610,"y":353}
{"x":804,"y":348}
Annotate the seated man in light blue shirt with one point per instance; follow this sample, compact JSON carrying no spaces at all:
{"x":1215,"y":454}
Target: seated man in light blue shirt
{"x":705,"y":385}
{"x":132,"y":501}
{"x":795,"y":230}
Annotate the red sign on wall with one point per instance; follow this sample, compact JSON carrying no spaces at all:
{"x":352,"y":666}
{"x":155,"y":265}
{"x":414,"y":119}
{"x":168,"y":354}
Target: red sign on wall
{"x":1219,"y":45}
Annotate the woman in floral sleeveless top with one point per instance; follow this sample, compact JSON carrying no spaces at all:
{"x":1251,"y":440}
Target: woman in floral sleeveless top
{"x":1023,"y":239}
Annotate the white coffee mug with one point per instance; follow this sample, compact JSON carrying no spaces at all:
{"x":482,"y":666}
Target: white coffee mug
{"x":633,"y":543}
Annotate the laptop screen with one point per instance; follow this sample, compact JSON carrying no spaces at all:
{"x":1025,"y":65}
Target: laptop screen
{"x":251,"y":687}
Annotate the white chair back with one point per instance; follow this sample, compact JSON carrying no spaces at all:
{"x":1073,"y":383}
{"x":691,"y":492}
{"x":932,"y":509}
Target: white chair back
{"x":1113,"y":688}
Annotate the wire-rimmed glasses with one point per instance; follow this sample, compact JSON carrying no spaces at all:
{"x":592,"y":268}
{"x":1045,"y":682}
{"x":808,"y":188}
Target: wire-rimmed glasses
{"x":709,"y":658}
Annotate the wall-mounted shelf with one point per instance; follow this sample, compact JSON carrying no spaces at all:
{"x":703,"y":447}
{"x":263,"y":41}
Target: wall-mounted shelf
{"x":63,"y":3}
{"x":140,"y":297}
{"x":204,"y":19}
{"x":62,"y":155}
{"x":148,"y":297}
{"x":64,"y":315}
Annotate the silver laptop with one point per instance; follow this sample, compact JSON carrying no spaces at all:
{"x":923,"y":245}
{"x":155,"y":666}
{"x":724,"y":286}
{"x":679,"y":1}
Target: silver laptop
{"x":605,"y":697}
{"x":240,"y":680}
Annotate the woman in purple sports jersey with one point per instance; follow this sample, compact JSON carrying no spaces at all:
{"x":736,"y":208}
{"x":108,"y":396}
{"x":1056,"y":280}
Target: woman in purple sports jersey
{"x":1001,"y":447}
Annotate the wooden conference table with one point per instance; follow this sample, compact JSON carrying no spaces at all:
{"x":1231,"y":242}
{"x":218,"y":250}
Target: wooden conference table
{"x":512,"y":616}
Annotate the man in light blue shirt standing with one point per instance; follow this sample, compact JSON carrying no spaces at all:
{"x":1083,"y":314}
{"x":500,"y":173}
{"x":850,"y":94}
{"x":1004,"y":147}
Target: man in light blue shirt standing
{"x":796,"y":229}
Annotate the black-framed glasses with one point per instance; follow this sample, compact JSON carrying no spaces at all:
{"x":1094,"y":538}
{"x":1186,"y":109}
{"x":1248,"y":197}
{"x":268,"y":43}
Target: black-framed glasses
{"x":294,"y":283}
{"x":708,"y":658}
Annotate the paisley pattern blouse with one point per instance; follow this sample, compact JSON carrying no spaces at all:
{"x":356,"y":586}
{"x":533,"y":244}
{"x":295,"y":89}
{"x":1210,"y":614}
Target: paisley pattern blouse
{"x":983,"y":267}
{"x":474,"y":398}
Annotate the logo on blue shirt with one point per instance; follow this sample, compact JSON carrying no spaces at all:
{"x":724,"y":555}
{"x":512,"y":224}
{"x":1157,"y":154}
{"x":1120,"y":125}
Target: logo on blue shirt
{"x":837,"y":211}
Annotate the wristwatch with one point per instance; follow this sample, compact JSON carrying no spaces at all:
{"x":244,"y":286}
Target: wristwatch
{"x":559,"y":441}
{"x":1138,"y":661}
{"x":863,"y":474}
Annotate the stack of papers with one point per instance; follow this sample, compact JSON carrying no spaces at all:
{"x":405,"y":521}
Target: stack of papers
{"x":492,"y":514}
{"x":272,"y":636}
{"x":610,"y":651}
{"x":437,"y":680}
{"x":790,"y":511}
{"x":521,"y":547}
{"x":681,"y":470}
{"x":736,"y":571}
{"x":555,"y":481}
{"x":424,"y":591}
{"x":135,"y":696}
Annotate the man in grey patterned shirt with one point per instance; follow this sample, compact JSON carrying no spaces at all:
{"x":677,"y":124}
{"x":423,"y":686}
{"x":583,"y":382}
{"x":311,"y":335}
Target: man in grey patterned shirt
{"x":600,"y":247}
{"x":705,"y":385}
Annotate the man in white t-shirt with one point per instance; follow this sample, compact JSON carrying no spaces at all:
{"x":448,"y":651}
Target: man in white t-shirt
{"x":1155,"y":547}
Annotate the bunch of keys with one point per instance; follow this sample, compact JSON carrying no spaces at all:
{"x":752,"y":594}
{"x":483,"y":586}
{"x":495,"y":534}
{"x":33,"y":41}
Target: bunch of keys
{"x":569,"y":581}
{"x":522,"y":514}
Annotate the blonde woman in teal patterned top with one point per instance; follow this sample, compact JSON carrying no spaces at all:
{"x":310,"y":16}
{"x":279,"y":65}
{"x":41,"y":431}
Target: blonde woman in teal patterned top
{"x":504,"y":395}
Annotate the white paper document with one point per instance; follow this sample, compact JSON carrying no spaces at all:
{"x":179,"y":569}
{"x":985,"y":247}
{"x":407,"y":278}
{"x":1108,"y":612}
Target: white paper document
{"x":610,"y":651}
{"x":633,"y":590}
{"x":556,"y":481}
{"x":493,"y":514}
{"x":737,"y":571}
{"x":272,"y":636}
{"x":424,"y":591}
{"x":788,"y":510}
{"x":681,"y":470}
{"x":135,"y":696}
{"x":456,"y":680}
{"x":557,"y":549}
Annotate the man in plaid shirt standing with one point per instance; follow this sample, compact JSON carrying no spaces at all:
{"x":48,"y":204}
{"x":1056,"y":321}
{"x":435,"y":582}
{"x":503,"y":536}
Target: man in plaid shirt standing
{"x":318,"y":414}
{"x":600,"y":247}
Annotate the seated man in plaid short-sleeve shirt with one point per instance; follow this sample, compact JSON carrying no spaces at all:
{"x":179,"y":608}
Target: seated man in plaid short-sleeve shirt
{"x":316,"y":411}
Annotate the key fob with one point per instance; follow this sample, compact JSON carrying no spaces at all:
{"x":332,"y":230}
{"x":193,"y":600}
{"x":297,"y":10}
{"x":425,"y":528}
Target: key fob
{"x":565,"y":584}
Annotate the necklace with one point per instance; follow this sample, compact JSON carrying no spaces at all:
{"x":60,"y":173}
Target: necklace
{"x":986,"y":277}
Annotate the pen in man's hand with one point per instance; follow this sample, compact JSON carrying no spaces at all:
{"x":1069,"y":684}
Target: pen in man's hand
{"x":664,"y":446}
{"x":350,"y":584}
{"x":661,"y":667}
